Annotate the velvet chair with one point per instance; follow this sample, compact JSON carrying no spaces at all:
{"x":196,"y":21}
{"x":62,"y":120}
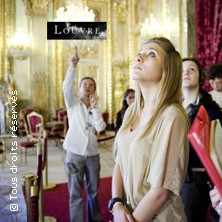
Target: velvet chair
{"x":56,"y":127}
{"x":35,"y":132}
{"x":35,"y":125}
{"x":23,"y":127}
{"x":61,"y":115}
{"x":56,"y":118}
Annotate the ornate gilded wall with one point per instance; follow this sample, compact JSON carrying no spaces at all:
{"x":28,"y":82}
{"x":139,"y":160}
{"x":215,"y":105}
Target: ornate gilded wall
{"x":39,"y":78}
{"x":6,"y":29}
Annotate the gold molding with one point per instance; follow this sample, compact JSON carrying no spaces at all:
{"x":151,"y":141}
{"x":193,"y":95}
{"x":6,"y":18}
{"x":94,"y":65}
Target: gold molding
{"x":39,"y":7}
{"x":92,"y":71}
{"x":180,"y":27}
{"x":89,"y":50}
{"x":109,"y":64}
{"x":2,"y":39}
{"x":58,"y":67}
{"x":131,"y":39}
{"x":24,"y":99}
{"x":120,"y":8}
{"x":59,"y":73}
{"x":8,"y":29}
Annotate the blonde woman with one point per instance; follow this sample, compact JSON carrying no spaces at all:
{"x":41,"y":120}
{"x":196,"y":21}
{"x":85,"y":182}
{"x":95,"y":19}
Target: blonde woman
{"x":152,"y":144}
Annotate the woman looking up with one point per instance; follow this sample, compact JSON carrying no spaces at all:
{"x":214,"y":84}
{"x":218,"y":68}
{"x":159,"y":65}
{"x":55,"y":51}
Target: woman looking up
{"x":152,"y":144}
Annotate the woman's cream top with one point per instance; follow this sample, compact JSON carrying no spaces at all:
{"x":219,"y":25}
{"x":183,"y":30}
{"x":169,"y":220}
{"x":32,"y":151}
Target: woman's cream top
{"x":158,"y":160}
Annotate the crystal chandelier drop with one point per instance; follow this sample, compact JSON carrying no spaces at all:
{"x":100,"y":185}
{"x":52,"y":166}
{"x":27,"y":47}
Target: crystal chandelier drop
{"x":74,"y":13}
{"x":152,"y":28}
{"x":20,"y":47}
{"x":77,"y":13}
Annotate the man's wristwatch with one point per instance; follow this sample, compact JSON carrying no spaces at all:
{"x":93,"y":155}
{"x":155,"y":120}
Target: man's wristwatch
{"x":113,"y":201}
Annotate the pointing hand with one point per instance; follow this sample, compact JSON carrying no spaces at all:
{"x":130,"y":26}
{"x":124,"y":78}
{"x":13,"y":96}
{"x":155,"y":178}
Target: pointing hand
{"x":75,"y":57}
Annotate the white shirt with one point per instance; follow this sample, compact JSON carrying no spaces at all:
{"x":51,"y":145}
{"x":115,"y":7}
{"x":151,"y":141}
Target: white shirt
{"x":217,"y":97}
{"x":83,"y":123}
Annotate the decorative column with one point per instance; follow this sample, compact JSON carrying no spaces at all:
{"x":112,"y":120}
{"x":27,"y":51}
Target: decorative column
{"x":59,"y":73}
{"x":38,"y":9}
{"x":120,"y":62}
{"x":2,"y":39}
{"x":191,"y":28}
{"x":121,"y":81}
{"x":131,"y":40}
{"x":6,"y":27}
{"x":109,"y":63}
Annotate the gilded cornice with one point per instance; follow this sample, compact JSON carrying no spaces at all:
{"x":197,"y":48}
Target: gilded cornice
{"x":39,"y":7}
{"x":121,"y":9}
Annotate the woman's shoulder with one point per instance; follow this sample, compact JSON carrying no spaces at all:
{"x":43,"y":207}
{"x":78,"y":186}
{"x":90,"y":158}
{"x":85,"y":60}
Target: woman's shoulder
{"x":173,"y":113}
{"x":174,"y":110}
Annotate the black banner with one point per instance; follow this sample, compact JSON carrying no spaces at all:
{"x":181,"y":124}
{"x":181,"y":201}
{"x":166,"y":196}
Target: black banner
{"x":76,"y":30}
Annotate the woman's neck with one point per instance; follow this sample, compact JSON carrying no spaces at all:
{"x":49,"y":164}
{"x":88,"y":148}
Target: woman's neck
{"x":149,"y":96}
{"x":190,"y":96}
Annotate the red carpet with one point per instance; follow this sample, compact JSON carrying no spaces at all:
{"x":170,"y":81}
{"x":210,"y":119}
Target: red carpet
{"x":56,"y":201}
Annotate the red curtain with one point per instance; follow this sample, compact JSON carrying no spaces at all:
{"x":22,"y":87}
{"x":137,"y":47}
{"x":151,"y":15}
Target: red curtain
{"x":209,"y":31}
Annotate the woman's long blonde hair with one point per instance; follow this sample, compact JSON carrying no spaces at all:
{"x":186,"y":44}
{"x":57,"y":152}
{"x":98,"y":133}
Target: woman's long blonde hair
{"x":169,"y":88}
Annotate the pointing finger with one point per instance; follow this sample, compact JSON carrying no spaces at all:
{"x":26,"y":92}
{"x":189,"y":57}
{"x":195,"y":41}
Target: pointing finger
{"x":75,"y":51}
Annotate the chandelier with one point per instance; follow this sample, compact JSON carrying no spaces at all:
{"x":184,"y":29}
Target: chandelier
{"x":78,"y":13}
{"x":74,"y":13}
{"x":20,"y":46}
{"x":152,"y":28}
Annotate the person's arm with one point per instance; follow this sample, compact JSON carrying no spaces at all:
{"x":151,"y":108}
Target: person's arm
{"x":67,"y":87}
{"x":99,"y":123}
{"x":117,"y":182}
{"x":120,"y":212}
{"x":156,"y":198}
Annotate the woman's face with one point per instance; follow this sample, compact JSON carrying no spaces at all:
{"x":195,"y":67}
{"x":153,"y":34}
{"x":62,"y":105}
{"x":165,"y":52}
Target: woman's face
{"x":87,"y":88}
{"x":217,"y":84}
{"x":130,"y":98}
{"x":190,"y":75}
{"x":148,"y":64}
